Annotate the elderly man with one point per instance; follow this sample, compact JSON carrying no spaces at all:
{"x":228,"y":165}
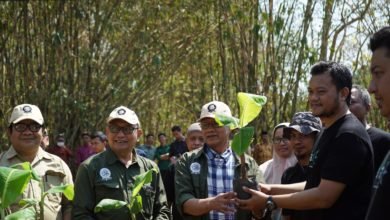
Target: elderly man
{"x":110,"y":174}
{"x":204,"y":177}
{"x":25,"y":132}
{"x":360,"y":106}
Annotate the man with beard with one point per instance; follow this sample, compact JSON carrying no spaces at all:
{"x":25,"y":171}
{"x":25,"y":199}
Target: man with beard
{"x":340,"y":170}
{"x":302,"y":133}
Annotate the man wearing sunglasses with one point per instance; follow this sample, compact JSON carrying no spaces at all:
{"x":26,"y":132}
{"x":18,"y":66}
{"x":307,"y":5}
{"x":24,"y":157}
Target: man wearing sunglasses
{"x":110,"y":174}
{"x":25,"y":132}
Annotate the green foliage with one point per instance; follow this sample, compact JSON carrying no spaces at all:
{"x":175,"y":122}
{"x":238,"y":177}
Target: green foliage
{"x":13,"y":182}
{"x":242,"y":140}
{"x":27,"y":214}
{"x":135,"y":203}
{"x":250,"y":107}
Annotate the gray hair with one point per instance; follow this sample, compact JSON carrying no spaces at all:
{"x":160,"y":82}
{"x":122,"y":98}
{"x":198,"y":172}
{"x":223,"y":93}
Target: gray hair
{"x":363,"y":94}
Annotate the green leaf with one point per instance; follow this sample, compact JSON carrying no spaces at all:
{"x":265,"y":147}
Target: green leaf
{"x":12,"y":184}
{"x":28,"y":202}
{"x":224,"y":120}
{"x":136,"y":205}
{"x":25,"y":214}
{"x":250,"y":106}
{"x":109,"y":204}
{"x":27,"y":166}
{"x":142,"y":179}
{"x":67,"y":190}
{"x":242,"y":139}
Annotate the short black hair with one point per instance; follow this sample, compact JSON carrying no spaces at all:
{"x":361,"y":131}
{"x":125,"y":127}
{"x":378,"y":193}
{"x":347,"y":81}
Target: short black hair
{"x":161,"y":134}
{"x":149,"y":135}
{"x":99,"y":134}
{"x":176,"y":128}
{"x":380,"y":39}
{"x":340,"y":74}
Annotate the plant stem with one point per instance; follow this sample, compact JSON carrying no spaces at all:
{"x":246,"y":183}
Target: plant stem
{"x":243,"y":167}
{"x":2,"y":213}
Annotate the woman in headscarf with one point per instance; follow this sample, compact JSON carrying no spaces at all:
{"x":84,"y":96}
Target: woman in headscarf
{"x":282,"y":158}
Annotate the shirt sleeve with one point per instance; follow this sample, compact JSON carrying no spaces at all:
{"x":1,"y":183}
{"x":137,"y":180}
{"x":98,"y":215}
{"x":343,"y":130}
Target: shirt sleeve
{"x":183,"y":185}
{"x":161,"y":210}
{"x":83,"y":205}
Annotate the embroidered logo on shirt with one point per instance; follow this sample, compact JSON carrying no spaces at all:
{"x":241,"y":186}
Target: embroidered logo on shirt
{"x":105,"y":174}
{"x":195,"y":168}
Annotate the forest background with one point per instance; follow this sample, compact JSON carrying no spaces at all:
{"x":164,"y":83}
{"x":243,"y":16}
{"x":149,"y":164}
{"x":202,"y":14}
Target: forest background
{"x":78,"y":60}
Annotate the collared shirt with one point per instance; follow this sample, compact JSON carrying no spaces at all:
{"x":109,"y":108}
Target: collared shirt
{"x":149,"y":151}
{"x":104,"y":176}
{"x":191,"y":180}
{"x":220,"y":177}
{"x":53,"y":171}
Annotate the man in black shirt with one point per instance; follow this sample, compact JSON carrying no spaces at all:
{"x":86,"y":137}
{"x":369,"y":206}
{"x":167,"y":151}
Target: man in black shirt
{"x":341,"y":166}
{"x":380,"y":87}
{"x":178,"y":147}
{"x":360,"y":106}
{"x":302,"y":133}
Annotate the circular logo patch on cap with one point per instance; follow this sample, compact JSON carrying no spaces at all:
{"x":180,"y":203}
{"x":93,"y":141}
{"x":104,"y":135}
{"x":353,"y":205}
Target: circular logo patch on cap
{"x":211,"y":107}
{"x":105,"y":173}
{"x":121,"y":111}
{"x":27,"y":109}
{"x":195,"y":168}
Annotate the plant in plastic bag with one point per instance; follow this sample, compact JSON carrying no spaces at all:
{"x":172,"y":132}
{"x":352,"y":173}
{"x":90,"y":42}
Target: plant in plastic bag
{"x":250,"y":107}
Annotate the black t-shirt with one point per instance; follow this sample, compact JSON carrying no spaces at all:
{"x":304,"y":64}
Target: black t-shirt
{"x":178,"y":148}
{"x":380,"y":144}
{"x":295,"y":174}
{"x":343,"y":153}
{"x":380,"y":201}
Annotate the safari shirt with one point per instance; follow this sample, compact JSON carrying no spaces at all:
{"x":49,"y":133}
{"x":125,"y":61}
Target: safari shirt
{"x":53,"y":171}
{"x":103,"y":176}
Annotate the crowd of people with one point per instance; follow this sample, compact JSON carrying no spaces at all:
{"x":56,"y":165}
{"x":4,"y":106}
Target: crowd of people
{"x":329,"y":163}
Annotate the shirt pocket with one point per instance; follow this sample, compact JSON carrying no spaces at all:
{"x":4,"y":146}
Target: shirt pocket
{"x":108,"y":190}
{"x":148,"y":194}
{"x":53,"y":178}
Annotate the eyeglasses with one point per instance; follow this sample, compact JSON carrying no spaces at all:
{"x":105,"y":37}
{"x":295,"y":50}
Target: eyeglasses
{"x":279,"y":140}
{"x":209,"y":125}
{"x":126,"y":130}
{"x":23,"y":127}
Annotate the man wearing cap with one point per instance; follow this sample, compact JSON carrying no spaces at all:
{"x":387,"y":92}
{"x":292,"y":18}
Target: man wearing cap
{"x":25,"y":131}
{"x":110,"y":174}
{"x":204,"y":177}
{"x":302,"y":134}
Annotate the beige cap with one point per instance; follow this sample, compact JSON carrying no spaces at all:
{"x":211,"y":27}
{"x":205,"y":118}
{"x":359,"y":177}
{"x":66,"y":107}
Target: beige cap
{"x":194,"y":127}
{"x":125,"y":114}
{"x":210,"y":109}
{"x":26,"y":111}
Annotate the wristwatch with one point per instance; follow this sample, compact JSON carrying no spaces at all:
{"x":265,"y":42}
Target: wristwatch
{"x":270,"y":204}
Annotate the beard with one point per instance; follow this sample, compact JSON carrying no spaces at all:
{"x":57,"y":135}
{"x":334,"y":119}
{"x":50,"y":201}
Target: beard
{"x":325,"y":113}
